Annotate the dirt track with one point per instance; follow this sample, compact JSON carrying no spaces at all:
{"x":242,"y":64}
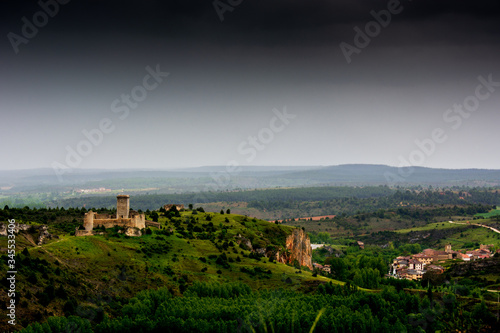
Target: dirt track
{"x":479,"y":225}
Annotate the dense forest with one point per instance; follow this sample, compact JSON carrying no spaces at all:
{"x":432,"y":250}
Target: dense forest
{"x":235,"y":308}
{"x":321,"y":200}
{"x":153,"y":201}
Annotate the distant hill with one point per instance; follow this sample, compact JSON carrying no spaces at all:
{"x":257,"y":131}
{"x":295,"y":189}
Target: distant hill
{"x":364,"y":174}
{"x":218,"y":178}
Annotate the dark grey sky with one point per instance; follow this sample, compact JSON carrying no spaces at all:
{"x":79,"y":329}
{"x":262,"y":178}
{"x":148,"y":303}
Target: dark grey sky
{"x":226,"y":77}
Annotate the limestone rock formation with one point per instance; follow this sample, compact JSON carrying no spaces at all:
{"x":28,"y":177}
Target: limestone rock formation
{"x":262,"y":252}
{"x":18,"y":227}
{"x":133,"y":232}
{"x":3,"y":230}
{"x":298,"y":247}
{"x":245,"y":241}
{"x":43,"y":234}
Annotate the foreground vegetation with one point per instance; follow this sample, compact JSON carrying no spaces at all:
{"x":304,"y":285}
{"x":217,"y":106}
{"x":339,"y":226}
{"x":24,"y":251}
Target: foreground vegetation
{"x":235,"y":308}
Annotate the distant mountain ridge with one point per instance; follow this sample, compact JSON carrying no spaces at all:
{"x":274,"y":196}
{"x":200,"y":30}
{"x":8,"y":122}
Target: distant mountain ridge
{"x":346,"y":174}
{"x":222,"y":178}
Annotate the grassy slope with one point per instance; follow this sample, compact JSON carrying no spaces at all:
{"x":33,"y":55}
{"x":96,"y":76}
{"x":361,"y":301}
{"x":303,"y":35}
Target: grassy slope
{"x":494,"y":212}
{"x":432,"y":226}
{"x":98,"y":268}
{"x":463,"y":235}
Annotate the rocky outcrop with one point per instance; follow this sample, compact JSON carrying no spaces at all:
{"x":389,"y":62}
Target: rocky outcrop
{"x":133,"y":232}
{"x":18,"y":227}
{"x":262,"y":252}
{"x":43,"y":234}
{"x":298,"y":247}
{"x":244,"y":241}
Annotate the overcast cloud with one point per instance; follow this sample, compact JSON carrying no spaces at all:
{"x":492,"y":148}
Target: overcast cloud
{"x":226,"y":78}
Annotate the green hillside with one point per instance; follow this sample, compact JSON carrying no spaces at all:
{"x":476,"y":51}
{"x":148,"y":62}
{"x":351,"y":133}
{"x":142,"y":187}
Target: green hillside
{"x":490,"y":214}
{"x":94,"y":273}
{"x":461,"y":235}
{"x":197,"y":272}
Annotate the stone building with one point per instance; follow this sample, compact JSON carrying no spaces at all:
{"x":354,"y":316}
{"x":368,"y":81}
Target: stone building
{"x":125,"y":217}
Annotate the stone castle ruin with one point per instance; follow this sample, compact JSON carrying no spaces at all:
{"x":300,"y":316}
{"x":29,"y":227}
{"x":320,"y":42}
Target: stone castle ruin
{"x":125,"y":217}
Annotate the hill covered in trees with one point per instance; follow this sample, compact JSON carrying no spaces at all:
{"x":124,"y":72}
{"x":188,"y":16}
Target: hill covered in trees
{"x":272,"y":204}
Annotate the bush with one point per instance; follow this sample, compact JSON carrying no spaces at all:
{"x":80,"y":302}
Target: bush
{"x":256,"y":256}
{"x":32,"y":278}
{"x":168,"y":271}
{"x":61,"y":292}
{"x":222,"y":261}
{"x":462,"y":290}
{"x":43,"y":298}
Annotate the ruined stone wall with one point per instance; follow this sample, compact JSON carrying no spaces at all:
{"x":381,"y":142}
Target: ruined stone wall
{"x":103,"y":216}
{"x":152,"y":224}
{"x":88,"y":220}
{"x":83,"y":232}
{"x":139,"y":221}
{"x":133,"y":213}
{"x":110,"y":223}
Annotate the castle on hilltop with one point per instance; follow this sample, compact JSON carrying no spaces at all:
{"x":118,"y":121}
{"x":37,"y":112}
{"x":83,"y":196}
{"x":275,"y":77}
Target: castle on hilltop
{"x":125,"y":217}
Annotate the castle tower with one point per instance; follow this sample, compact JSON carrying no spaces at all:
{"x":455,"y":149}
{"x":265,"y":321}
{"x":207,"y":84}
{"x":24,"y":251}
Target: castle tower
{"x":448,"y":248}
{"x":88,"y":221}
{"x":122,"y":206}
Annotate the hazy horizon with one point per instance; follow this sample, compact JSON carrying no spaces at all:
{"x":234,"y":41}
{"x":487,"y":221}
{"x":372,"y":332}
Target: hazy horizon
{"x":268,"y":85}
{"x":247,"y":167}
